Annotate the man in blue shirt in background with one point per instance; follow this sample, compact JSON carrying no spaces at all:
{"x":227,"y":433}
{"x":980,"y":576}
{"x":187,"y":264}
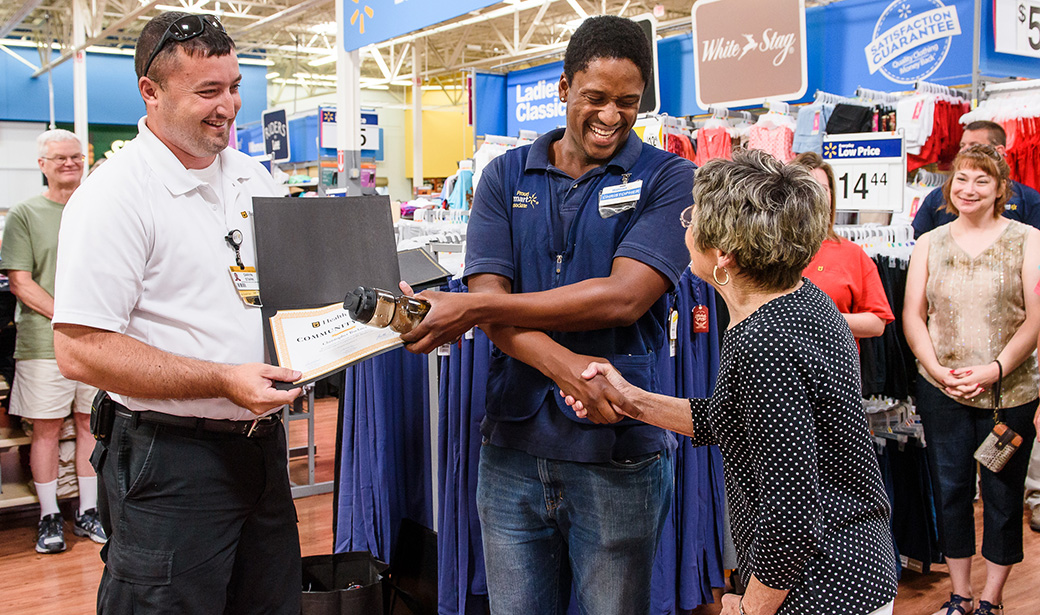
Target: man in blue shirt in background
{"x":572,"y":244}
{"x":1023,"y":204}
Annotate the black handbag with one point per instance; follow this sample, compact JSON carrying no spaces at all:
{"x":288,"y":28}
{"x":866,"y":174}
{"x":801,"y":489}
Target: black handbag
{"x":342,"y":584}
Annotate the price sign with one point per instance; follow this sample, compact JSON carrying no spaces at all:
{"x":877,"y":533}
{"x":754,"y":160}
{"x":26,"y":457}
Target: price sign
{"x":650,"y":130}
{"x":1017,"y":27}
{"x":368,"y":131}
{"x":869,"y":170}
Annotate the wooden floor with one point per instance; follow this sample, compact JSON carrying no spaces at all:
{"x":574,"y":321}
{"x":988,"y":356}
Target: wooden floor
{"x":65,"y":584}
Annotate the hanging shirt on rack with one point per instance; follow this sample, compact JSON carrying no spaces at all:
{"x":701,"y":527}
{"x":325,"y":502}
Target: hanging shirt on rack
{"x":944,"y":142}
{"x":462,"y":191}
{"x":713,"y":143}
{"x":914,"y":117}
{"x":812,"y":124}
{"x":776,"y":140}
{"x":449,"y":185}
{"x":848,"y":118}
{"x":1023,"y":150}
{"x":679,"y":144}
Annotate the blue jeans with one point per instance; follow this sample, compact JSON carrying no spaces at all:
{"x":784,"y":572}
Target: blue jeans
{"x":953,"y":431}
{"x":545,"y":522}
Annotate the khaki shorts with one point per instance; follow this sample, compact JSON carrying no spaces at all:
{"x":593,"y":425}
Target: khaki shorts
{"x":41,"y":392}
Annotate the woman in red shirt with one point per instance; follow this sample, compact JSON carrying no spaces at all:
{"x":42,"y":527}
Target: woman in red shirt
{"x":843,"y":270}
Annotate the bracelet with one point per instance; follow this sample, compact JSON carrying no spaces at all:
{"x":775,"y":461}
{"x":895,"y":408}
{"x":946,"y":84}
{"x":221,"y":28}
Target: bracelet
{"x":740,"y":606}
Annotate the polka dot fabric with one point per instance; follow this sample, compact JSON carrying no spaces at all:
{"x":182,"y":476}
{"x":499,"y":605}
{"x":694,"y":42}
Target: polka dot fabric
{"x":809,"y":511}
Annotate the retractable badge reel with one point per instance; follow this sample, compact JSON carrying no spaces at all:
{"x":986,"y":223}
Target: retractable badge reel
{"x":245,"y":279}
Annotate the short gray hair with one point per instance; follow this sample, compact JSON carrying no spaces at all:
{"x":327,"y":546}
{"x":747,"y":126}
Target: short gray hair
{"x":769,"y":216}
{"x":54,"y":136}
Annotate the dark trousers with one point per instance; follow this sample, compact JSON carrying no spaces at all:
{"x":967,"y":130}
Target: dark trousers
{"x":199,"y":523}
{"x":953,"y":431}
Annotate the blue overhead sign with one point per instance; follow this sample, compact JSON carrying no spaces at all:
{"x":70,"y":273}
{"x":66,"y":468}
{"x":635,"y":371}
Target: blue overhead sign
{"x":911,"y":39}
{"x":891,"y":45}
{"x":374,"y":21}
{"x":533,"y":100}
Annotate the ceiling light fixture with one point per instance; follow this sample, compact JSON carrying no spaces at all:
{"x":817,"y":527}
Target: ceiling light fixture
{"x":322,"y":61}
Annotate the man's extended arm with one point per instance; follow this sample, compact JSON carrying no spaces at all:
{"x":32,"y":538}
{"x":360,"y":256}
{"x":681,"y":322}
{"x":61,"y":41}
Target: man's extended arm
{"x":597,"y":303}
{"x":30,"y":293}
{"x":557,"y":363}
{"x":120,"y":364}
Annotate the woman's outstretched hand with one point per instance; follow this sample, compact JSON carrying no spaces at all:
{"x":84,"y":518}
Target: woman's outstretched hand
{"x":614,"y":377}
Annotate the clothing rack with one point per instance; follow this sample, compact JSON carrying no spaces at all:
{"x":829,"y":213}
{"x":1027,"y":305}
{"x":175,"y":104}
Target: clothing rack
{"x":929,"y":179}
{"x":451,"y":216}
{"x":1007,"y":101}
{"x":924,"y":87}
{"x":877,"y":96}
{"x":1014,"y":88}
{"x":891,"y":240}
{"x":723,"y":113}
{"x":778,"y":106}
{"x":675,"y":125}
{"x":833,"y":99}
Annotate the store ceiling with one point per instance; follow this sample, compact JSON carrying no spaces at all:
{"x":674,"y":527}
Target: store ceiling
{"x":297,"y":36}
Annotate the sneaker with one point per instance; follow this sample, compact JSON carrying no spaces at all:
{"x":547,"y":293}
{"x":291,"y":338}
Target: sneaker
{"x":50,"y":537}
{"x":88,"y":525}
{"x":1034,"y":519}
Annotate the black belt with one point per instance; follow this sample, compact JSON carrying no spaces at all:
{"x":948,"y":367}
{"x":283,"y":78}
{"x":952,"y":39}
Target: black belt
{"x":257,"y":428}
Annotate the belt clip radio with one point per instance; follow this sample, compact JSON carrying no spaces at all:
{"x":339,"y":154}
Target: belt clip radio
{"x":102,"y":416}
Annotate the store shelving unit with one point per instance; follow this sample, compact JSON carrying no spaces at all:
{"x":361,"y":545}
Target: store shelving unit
{"x":13,"y":492}
{"x":302,"y":409}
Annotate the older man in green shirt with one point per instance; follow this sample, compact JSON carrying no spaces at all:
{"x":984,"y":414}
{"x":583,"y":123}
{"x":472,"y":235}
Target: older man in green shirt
{"x":40,"y":393}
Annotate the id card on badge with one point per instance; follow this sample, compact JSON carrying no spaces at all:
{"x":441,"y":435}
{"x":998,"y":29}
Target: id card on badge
{"x":247,"y":283}
{"x":616,"y":199}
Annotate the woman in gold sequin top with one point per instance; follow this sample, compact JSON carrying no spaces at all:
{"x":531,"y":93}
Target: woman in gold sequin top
{"x":969,"y":314}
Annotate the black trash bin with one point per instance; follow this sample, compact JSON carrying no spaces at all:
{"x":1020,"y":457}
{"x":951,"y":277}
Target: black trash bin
{"x":343,"y":584}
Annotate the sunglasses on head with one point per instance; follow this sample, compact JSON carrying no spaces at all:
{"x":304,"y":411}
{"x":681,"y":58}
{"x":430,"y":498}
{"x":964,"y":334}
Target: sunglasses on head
{"x":184,"y":29}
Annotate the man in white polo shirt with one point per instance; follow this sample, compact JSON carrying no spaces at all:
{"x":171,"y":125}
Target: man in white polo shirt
{"x":194,"y":491}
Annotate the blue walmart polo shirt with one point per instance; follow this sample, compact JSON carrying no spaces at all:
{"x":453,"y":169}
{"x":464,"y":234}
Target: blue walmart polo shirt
{"x":542,"y":229}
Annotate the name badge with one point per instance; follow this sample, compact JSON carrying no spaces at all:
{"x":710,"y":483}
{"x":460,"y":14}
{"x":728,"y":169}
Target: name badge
{"x":616,"y":199}
{"x":247,"y":283}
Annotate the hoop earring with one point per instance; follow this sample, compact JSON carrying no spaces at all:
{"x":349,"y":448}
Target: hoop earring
{"x":715,"y":276}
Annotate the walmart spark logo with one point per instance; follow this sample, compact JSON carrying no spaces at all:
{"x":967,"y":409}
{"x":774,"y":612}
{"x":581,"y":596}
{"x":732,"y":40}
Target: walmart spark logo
{"x":358,"y":16}
{"x":830,"y":150}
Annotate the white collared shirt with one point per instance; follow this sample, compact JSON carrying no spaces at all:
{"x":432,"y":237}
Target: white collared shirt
{"x":141,"y":251}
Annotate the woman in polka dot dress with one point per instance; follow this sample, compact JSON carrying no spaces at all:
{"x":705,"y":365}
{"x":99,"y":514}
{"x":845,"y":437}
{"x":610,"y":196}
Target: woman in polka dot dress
{"x":809,"y":512}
